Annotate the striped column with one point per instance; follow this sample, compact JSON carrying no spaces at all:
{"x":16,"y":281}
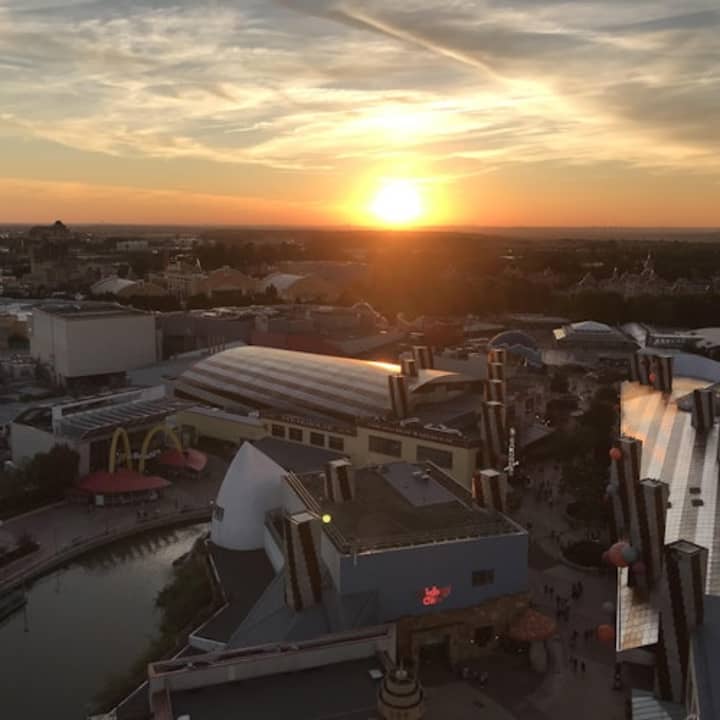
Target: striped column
{"x":681,"y":606}
{"x":489,"y":489}
{"x":497,"y":355}
{"x":703,"y":409}
{"x":409,"y":367}
{"x":640,"y":368}
{"x":339,"y":481}
{"x":496,"y":371}
{"x":400,"y":697}
{"x":652,"y":499}
{"x":423,"y":356}
{"x":626,"y":472}
{"x":662,"y":372}
{"x":303,"y":581}
{"x":399,"y":396}
{"x":493,"y":431}
{"x":495,"y":391}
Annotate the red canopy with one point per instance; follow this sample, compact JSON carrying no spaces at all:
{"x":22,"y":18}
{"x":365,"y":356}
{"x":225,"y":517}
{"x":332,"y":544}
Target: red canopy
{"x":121,"y":481}
{"x":172,"y":457}
{"x":193,"y":459}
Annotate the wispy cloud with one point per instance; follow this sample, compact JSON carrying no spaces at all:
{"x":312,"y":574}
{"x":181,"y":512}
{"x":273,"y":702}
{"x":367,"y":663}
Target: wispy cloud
{"x":311,"y":84}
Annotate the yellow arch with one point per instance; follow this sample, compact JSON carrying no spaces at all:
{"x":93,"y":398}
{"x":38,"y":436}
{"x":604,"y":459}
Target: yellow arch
{"x":127,"y":457}
{"x":169,"y":433}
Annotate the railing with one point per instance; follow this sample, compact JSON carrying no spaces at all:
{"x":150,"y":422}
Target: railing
{"x":80,"y":545}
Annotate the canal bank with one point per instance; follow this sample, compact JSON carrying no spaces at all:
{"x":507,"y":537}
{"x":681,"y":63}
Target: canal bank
{"x":32,"y":569}
{"x":85,"y":624}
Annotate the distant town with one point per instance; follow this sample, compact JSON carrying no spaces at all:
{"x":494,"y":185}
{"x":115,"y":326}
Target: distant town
{"x":402,"y":474}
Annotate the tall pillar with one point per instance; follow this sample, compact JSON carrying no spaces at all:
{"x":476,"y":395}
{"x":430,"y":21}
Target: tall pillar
{"x":303,"y":579}
{"x":493,"y":431}
{"x":423,"y":356}
{"x":339,"y":481}
{"x":640,"y":368}
{"x":703,"y":409}
{"x":681,"y":611}
{"x":661,"y":372}
{"x":625,"y":470}
{"x":399,"y":396}
{"x":652,"y":498}
{"x":489,"y":489}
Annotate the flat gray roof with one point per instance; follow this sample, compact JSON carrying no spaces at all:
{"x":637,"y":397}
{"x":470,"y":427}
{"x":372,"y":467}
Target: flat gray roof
{"x":296,"y":457}
{"x":401,"y":504}
{"x":89,"y":309}
{"x":344,"y":691}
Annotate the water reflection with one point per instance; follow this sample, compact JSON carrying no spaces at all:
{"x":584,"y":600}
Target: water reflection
{"x":85,"y":623}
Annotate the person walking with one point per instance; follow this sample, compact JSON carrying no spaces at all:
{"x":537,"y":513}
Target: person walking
{"x":582,"y":666}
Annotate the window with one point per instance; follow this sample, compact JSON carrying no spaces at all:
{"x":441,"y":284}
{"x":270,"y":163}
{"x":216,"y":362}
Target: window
{"x":483,"y":577}
{"x":219,"y":513}
{"x":278,"y":431}
{"x":295,"y":434}
{"x":336,"y":443}
{"x":317,"y":438}
{"x":442,"y":458}
{"x":385,"y":446}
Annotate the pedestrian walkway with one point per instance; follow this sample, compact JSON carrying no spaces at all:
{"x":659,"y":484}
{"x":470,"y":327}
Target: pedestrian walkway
{"x":59,"y":527}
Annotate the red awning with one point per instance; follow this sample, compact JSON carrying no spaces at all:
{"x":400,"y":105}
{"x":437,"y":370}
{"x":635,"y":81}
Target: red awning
{"x":121,"y":481}
{"x":172,"y":457}
{"x":192,"y":459}
{"x":195,"y":459}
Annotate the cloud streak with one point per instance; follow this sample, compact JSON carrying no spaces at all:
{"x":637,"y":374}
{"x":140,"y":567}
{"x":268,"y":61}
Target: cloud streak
{"x":311,"y":85}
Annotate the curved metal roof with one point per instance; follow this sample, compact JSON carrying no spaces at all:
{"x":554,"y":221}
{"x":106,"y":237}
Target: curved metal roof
{"x":510,"y":338}
{"x":254,"y":376}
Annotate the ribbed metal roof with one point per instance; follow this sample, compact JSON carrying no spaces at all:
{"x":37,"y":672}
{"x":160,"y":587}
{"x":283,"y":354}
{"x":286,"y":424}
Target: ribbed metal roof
{"x":284,"y":379}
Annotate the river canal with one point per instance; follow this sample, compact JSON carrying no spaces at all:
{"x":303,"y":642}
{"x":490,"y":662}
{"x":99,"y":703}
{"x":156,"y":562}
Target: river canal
{"x":85,"y":624}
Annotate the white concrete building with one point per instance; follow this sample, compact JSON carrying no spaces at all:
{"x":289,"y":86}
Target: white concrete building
{"x":86,"y":340}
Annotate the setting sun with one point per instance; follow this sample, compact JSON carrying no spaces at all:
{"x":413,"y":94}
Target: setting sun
{"x":397,"y":202}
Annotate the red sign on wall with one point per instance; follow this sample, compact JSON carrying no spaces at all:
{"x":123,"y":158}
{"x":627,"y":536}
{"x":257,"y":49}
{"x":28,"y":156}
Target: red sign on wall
{"x":434,"y":595}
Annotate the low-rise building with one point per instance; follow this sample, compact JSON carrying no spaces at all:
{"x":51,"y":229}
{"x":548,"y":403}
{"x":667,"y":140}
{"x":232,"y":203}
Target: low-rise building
{"x":95,"y":427}
{"x":397,"y":543}
{"x":91,"y":343}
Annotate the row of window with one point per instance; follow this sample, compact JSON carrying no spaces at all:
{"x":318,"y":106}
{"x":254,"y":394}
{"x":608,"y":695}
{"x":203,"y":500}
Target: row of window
{"x":316,"y":438}
{"x":393,"y":448}
{"x":376,"y":443}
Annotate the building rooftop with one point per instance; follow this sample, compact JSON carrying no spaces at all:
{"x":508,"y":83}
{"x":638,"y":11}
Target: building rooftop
{"x":401,"y":504}
{"x":101,"y":421}
{"x":288,"y":380}
{"x":674,"y":453}
{"x":83,"y":310}
{"x":343,"y":691}
{"x":296,"y":457}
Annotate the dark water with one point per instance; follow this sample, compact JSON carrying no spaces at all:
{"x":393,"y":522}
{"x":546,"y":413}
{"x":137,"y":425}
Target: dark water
{"x":85,"y":623}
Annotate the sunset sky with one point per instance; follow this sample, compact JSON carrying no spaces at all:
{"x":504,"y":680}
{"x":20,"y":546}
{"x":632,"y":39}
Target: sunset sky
{"x":503,"y":112}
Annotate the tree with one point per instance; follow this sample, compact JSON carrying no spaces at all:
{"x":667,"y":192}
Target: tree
{"x":52,"y":473}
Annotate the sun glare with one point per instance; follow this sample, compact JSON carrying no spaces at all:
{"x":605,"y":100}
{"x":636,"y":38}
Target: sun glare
{"x":397,"y":202}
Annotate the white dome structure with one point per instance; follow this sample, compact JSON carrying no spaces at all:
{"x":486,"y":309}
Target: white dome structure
{"x":251,"y":488}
